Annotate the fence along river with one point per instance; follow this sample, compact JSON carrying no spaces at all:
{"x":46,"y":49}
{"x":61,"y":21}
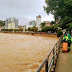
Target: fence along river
{"x":51,"y":59}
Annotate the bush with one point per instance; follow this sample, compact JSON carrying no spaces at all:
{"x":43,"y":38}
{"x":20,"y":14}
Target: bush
{"x":26,"y":29}
{"x":18,"y":30}
{"x":34,"y":29}
{"x":49,"y":28}
{"x":45,"y":29}
{"x":2,"y":29}
{"x":21,"y":30}
{"x":7,"y":30}
{"x":10,"y":30}
{"x":15,"y":30}
{"x":59,"y":33}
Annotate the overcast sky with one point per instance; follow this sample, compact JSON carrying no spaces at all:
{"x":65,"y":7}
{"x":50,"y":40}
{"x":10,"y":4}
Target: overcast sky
{"x":23,"y":9}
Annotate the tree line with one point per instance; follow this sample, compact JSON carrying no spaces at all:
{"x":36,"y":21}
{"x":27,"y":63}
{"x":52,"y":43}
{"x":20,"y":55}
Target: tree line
{"x":10,"y":30}
{"x":62,"y":11}
{"x":2,"y":23}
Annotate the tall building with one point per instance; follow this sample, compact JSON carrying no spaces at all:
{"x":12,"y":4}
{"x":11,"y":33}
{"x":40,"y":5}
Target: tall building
{"x":32,"y":23}
{"x":11,"y":23}
{"x":38,"y":22}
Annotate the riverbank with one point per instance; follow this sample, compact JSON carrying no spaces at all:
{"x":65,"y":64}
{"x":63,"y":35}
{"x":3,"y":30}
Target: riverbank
{"x":33,"y":34}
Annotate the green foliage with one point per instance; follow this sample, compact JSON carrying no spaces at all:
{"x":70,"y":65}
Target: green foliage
{"x":58,"y":30}
{"x":65,"y":21}
{"x":29,"y":29}
{"x":18,"y":30}
{"x":26,"y":29}
{"x":59,"y":33}
{"x":21,"y":30}
{"x":45,"y":29}
{"x":15,"y":30}
{"x":69,"y":26}
{"x":61,"y":9}
{"x":2,"y":23}
{"x":34,"y":29}
{"x":42,"y":25}
{"x":9,"y":30}
{"x":2,"y":29}
{"x":52,"y":22}
{"x":50,"y":28}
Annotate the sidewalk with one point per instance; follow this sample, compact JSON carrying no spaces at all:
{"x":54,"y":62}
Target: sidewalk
{"x":64,"y":63}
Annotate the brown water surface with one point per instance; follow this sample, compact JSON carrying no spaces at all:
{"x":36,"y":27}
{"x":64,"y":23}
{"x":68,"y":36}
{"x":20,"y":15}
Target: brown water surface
{"x":23,"y":53}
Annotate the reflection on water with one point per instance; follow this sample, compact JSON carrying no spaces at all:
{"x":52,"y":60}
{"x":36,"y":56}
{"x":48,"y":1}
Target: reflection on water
{"x":23,"y":53}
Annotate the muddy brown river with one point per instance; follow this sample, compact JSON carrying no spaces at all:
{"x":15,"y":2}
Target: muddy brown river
{"x":23,"y":53}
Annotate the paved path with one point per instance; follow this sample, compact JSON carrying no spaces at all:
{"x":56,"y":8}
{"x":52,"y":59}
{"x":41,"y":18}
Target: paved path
{"x":64,"y":63}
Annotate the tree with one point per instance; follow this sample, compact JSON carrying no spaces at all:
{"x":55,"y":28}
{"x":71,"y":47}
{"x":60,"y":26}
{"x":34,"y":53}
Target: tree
{"x":10,"y":30}
{"x":46,"y":29}
{"x":42,"y":24}
{"x":69,"y":27}
{"x":21,"y":30}
{"x":50,"y":28}
{"x":34,"y":29}
{"x":29,"y":29}
{"x":52,"y":22}
{"x":61,"y":9}
{"x":2,"y":23}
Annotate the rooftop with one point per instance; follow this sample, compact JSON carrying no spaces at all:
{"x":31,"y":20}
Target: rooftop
{"x":39,"y":16}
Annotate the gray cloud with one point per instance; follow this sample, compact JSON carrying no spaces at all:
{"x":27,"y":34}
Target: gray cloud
{"x":22,"y":8}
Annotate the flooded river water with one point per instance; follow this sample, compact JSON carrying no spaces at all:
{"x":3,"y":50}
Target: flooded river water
{"x":23,"y":53}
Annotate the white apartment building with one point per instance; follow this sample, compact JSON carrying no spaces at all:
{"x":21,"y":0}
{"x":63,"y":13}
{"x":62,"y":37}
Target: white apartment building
{"x":11,"y":23}
{"x":38,"y":22}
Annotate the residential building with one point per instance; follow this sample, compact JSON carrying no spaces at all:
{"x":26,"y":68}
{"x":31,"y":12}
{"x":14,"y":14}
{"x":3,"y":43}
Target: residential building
{"x":11,"y":23}
{"x":32,"y":23}
{"x":47,"y":23}
{"x":38,"y":22}
{"x":22,"y":27}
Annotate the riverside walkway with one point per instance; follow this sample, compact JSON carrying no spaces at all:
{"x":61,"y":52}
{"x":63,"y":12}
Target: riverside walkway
{"x":64,"y":63}
{"x":59,"y":62}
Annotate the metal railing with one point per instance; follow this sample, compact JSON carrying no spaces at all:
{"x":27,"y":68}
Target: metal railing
{"x":50,"y":62}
